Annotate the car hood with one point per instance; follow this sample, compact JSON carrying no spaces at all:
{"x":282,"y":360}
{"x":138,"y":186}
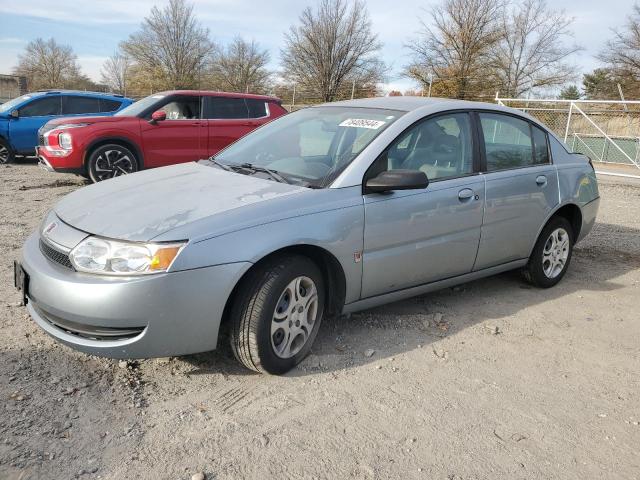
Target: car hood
{"x":89,"y":119}
{"x":147,"y":204}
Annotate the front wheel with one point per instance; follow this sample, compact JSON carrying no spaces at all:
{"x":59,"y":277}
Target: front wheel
{"x":551,"y":255}
{"x":110,"y":161}
{"x":277,"y":314}
{"x":6,"y":152}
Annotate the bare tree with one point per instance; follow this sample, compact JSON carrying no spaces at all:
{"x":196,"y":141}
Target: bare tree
{"x":115,"y":72}
{"x":242,"y":67}
{"x":331,"y":48}
{"x":532,"y":51}
{"x":47,"y":64}
{"x":622,"y":53}
{"x":172,"y":42}
{"x":456,"y":47}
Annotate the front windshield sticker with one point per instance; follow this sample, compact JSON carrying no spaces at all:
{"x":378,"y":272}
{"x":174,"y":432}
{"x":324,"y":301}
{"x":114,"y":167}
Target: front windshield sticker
{"x":362,"y":123}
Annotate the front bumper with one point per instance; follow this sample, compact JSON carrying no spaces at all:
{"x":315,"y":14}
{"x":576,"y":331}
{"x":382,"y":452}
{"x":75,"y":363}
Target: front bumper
{"x":159,"y":315}
{"x":71,"y":163}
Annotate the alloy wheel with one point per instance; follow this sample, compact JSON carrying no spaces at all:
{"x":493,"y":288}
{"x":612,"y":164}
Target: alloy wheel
{"x":4,"y":154}
{"x":555,"y":253}
{"x":113,"y":163}
{"x":294,"y":317}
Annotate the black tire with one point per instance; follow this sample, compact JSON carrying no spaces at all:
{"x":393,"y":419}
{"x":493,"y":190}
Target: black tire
{"x":537,"y":270}
{"x":254,"y":309}
{"x":7,"y":155}
{"x":109,"y":161}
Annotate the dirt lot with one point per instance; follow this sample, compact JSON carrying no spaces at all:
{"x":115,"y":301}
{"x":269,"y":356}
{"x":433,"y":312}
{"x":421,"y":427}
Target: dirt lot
{"x":489,"y":380}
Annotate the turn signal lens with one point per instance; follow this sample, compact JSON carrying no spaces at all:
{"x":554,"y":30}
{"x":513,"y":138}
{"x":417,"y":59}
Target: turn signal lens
{"x":163,"y":258}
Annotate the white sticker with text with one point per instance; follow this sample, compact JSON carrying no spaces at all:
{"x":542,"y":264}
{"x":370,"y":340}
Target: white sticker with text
{"x":362,"y":123}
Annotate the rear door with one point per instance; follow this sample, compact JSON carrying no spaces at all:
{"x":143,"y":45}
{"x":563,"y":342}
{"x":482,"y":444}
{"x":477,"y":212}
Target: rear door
{"x":228,"y":120}
{"x":23,"y":131}
{"x":178,"y":139}
{"x":521,"y":187}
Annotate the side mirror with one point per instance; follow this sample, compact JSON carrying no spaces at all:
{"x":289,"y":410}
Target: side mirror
{"x":158,"y":116}
{"x":15,"y":114}
{"x":397,"y":180}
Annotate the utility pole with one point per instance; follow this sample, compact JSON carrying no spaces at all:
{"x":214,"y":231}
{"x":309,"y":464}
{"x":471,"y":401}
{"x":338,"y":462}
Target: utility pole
{"x":430,"y":84}
{"x":353,"y":89}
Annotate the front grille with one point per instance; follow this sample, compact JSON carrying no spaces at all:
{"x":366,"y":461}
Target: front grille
{"x":89,"y":332}
{"x":55,"y":256}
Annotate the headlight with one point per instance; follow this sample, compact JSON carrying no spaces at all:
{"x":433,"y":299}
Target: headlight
{"x":111,"y":257}
{"x":64,"y":139}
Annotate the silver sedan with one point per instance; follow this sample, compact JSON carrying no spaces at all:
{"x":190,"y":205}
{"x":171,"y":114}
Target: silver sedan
{"x":329,"y":210}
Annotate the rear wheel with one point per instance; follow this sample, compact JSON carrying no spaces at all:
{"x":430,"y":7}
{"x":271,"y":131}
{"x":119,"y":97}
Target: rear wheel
{"x":109,"y":161}
{"x":6,"y":152}
{"x":551,"y":255}
{"x":277,"y":314}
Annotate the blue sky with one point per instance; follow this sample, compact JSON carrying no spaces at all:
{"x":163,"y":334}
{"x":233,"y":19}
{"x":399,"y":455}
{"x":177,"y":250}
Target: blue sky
{"x":94,"y":28}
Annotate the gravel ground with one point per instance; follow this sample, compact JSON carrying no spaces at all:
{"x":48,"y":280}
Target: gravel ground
{"x":492,"y":379}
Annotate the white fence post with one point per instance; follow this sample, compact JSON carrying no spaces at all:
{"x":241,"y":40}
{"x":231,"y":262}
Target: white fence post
{"x":566,"y":131}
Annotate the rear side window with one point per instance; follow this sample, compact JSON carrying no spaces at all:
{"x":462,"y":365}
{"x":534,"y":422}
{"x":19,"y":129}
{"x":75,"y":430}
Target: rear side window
{"x":42,"y":107}
{"x":507,"y":141}
{"x":540,"y":146}
{"x":257,"y":108}
{"x":225,"y":108}
{"x":109,"y":105}
{"x":77,"y":105}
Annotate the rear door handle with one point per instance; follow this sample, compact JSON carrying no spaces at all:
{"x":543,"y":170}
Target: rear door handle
{"x":541,"y":180}
{"x":465,"y":194}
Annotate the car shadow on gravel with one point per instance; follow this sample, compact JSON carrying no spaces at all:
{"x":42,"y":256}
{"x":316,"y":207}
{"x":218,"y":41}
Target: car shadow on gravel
{"x":495,"y":302}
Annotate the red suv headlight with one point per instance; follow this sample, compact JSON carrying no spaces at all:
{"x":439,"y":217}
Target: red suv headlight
{"x":59,"y":141}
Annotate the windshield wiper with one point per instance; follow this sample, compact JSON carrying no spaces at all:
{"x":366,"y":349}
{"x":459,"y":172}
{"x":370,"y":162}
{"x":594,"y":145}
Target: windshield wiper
{"x":277,"y":176}
{"x":219,"y":164}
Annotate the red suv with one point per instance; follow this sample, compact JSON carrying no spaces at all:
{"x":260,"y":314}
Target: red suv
{"x":161,"y":129}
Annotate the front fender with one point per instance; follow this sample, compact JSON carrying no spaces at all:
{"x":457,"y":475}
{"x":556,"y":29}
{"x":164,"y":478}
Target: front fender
{"x":339,"y":232}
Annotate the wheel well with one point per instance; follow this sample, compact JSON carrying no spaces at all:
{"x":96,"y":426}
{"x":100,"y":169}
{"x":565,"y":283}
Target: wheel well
{"x":117,"y":141}
{"x":573,"y":215}
{"x":329,"y":265}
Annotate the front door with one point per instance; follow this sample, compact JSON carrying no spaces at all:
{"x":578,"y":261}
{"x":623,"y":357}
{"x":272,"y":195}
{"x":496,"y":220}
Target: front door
{"x":522,"y":188}
{"x":414,"y":237}
{"x":180,"y":138}
{"x":23,"y":131}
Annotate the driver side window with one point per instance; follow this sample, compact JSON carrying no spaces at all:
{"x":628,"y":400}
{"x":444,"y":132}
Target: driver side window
{"x":182,"y":108}
{"x":441,"y":147}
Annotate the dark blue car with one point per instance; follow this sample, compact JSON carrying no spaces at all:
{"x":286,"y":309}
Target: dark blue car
{"x":21,"y":117}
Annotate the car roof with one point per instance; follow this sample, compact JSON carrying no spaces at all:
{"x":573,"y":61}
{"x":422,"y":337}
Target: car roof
{"x":408,"y":104}
{"x":213,"y":93}
{"x":82,"y":93}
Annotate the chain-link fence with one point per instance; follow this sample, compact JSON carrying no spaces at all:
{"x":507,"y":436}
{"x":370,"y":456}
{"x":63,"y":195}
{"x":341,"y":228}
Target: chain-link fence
{"x":606,"y":131}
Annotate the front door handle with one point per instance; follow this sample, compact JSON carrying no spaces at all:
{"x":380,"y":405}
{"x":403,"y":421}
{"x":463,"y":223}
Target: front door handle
{"x":541,"y":180}
{"x":465,"y":194}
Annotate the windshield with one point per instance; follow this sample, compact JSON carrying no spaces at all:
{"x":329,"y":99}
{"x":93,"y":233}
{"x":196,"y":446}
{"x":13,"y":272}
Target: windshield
{"x":309,"y":147}
{"x":140,"y":106}
{"x":5,"y":107}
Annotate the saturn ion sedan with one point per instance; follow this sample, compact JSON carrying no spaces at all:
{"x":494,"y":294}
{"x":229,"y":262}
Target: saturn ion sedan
{"x":328,"y":210}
